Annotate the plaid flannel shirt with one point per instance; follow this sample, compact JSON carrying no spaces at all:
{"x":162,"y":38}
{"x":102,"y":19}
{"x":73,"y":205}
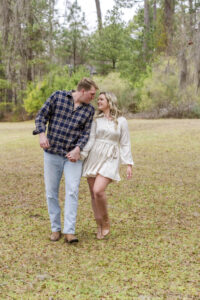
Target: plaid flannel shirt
{"x":67,"y":128}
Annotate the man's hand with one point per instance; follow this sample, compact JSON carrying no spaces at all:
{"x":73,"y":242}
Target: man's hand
{"x":44,"y":143}
{"x":74,"y":155}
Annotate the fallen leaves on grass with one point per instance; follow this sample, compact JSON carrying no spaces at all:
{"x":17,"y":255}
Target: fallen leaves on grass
{"x":153,"y":249}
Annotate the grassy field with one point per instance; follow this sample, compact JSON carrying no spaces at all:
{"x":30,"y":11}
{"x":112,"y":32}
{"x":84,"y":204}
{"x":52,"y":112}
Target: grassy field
{"x":153,"y":249}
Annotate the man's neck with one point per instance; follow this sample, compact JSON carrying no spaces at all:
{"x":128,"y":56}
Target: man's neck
{"x":76,"y":97}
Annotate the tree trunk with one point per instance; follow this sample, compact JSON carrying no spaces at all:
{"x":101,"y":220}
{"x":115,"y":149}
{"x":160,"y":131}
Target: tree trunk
{"x":198,"y":58}
{"x":154,"y":12}
{"x":51,"y":16}
{"x":99,"y":18}
{"x":6,"y":16}
{"x":195,"y":12}
{"x":183,"y":70}
{"x":191,"y":14}
{"x":114,"y":64}
{"x":30,"y":41}
{"x":169,"y":7}
{"x":146,"y":27}
{"x":74,"y":54}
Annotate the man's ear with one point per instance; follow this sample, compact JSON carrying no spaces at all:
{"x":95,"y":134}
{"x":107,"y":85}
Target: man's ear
{"x":82,"y":91}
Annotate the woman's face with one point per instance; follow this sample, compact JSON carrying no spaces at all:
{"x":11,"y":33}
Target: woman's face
{"x":102,"y":103}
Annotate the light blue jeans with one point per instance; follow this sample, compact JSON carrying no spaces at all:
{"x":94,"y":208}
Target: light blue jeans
{"x":54,"y":166}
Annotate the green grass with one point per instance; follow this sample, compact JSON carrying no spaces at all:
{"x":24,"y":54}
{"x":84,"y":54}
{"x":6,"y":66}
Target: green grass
{"x":153,"y":249}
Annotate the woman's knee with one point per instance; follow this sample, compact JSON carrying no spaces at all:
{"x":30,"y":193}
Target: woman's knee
{"x":98,"y":193}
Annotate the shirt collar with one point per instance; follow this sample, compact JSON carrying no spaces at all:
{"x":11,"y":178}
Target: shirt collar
{"x":69,"y":93}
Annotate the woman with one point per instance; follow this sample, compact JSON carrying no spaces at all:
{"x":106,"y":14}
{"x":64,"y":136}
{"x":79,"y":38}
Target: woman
{"x":108,"y":146}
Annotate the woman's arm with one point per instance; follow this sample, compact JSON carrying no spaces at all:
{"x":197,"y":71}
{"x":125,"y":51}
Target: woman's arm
{"x":88,"y":146}
{"x":125,"y":148}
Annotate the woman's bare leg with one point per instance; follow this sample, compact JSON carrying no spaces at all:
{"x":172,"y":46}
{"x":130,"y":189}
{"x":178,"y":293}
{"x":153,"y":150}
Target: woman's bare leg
{"x":99,"y":187}
{"x":91,"y":181}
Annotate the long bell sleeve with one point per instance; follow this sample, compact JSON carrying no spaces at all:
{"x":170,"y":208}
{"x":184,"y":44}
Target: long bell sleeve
{"x":90,"y":143}
{"x":125,"y":144}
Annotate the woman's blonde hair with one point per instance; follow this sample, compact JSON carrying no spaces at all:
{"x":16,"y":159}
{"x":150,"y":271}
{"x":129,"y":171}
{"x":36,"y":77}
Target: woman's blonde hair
{"x":112,"y":102}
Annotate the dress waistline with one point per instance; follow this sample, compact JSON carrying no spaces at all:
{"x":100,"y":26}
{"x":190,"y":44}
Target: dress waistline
{"x":107,"y":141}
{"x":113,"y":149}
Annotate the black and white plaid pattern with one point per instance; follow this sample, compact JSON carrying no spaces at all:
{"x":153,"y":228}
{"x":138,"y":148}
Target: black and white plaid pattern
{"x":67,"y":128}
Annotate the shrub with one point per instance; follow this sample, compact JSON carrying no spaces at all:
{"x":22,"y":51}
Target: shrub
{"x":120,"y":87}
{"x":4,"y":84}
{"x":58,"y":79}
{"x":160,"y":93}
{"x":5,"y":108}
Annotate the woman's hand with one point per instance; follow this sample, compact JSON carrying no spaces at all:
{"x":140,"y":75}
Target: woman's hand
{"x":74,"y":154}
{"x":129,"y":172}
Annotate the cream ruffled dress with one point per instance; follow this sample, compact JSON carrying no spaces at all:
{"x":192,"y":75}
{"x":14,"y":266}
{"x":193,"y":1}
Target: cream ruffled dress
{"x":107,"y":148}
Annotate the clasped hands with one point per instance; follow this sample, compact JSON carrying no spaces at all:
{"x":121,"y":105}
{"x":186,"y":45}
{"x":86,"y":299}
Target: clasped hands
{"x":74,"y":154}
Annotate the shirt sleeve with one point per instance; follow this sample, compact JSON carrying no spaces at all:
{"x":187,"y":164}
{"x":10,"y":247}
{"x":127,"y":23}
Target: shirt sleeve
{"x":125,"y":144}
{"x":44,"y":114}
{"x":90,"y":143}
{"x":84,"y":137}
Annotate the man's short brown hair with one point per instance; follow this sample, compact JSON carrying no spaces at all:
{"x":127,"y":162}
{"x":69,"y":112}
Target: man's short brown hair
{"x":86,"y":83}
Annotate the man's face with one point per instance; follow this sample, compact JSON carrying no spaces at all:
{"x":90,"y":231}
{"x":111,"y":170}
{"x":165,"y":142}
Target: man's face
{"x":88,"y":96}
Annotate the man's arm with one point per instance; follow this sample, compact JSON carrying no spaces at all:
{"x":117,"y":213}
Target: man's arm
{"x":43,"y":140}
{"x":84,"y":136}
{"x":74,"y":155}
{"x":44,"y":115}
{"x":41,"y":121}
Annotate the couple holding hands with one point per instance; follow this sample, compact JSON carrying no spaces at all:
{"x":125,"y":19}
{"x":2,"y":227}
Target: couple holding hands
{"x":80,"y":142}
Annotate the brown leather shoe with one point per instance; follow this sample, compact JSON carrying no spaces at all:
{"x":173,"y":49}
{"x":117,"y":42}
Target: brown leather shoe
{"x":55,"y":236}
{"x":70,"y":238}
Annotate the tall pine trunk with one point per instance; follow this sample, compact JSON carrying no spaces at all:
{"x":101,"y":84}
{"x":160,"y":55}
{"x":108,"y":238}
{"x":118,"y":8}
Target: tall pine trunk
{"x":169,"y":7}
{"x":146,"y":28}
{"x":51,"y":17}
{"x":99,"y":18}
{"x":191,"y":14}
{"x":197,"y":45}
{"x":183,"y":70}
{"x":29,"y":45}
{"x":154,"y":12}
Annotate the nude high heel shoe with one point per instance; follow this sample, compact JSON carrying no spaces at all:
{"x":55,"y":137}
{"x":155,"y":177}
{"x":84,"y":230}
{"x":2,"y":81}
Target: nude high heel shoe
{"x":99,"y":229}
{"x":105,"y":229}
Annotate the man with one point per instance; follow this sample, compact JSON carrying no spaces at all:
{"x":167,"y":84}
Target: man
{"x":69,"y":116}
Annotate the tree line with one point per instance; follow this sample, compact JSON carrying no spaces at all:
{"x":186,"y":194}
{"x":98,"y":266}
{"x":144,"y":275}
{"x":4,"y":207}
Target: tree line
{"x":34,"y":44}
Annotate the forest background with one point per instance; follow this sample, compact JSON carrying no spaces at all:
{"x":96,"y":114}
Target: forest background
{"x":152,"y":62}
